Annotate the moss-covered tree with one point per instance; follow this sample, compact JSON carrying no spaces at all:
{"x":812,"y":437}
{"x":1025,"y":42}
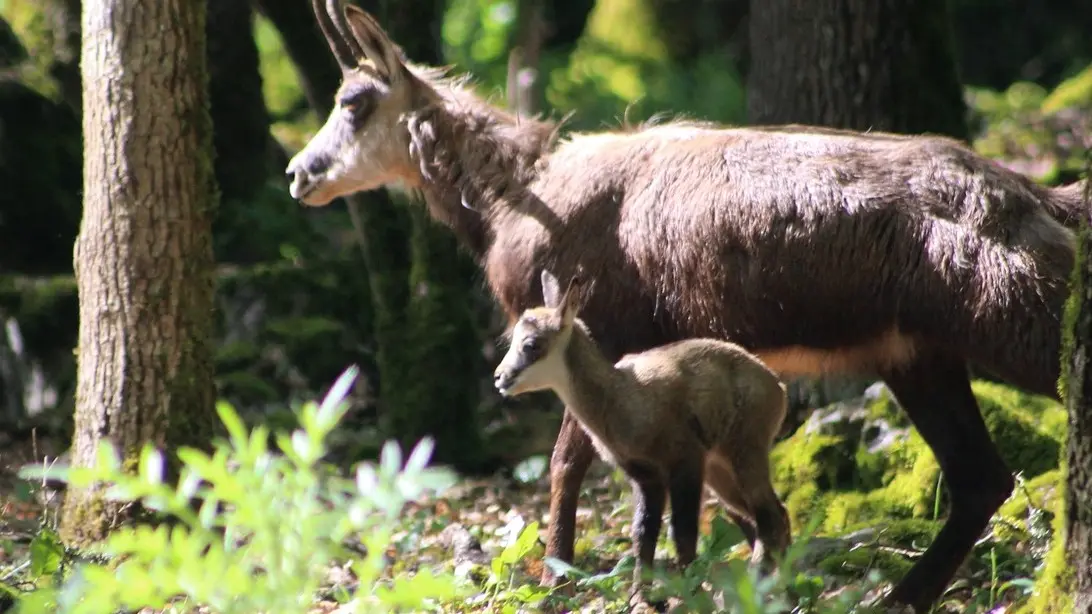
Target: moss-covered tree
{"x":1068,"y":575}
{"x":861,"y":64}
{"x":143,"y":257}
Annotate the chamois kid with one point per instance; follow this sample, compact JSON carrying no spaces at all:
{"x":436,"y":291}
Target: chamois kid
{"x":670,"y":417}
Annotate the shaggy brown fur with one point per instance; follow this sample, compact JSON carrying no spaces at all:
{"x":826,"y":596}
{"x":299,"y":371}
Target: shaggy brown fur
{"x":819,"y":250}
{"x":673,"y":417}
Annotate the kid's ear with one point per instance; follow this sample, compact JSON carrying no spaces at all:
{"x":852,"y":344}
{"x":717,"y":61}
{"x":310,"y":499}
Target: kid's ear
{"x":570,"y":301}
{"x":551,"y":290}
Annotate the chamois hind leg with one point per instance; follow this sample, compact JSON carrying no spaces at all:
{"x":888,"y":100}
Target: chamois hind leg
{"x":685,"y":483}
{"x":751,"y":464}
{"x":573,"y":453}
{"x":722,"y":479}
{"x":935,"y":393}
{"x":649,"y":498}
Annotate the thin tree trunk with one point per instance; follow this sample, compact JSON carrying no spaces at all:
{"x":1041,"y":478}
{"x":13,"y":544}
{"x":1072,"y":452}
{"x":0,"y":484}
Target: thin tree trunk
{"x":860,"y":64}
{"x":1078,"y":396}
{"x":240,"y":119}
{"x":143,"y":258}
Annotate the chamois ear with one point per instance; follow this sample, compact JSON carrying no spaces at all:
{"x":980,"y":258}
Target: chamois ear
{"x":570,"y":301}
{"x":377,"y":46}
{"x":551,"y":290}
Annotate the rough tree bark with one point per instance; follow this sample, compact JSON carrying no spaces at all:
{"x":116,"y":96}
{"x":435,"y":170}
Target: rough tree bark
{"x":143,"y":257}
{"x":862,"y":64}
{"x":1070,"y":575}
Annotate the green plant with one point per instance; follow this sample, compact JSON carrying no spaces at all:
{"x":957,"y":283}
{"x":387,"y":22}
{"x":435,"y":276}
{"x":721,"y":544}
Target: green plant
{"x":268,"y":527}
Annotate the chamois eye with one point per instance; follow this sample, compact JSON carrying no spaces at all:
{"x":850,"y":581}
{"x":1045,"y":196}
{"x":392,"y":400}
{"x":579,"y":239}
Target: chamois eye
{"x":531,"y":346}
{"x":355,"y":104}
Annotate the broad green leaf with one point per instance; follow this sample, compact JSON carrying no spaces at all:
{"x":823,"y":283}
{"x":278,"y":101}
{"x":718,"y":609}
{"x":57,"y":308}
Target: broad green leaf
{"x":233,"y":423}
{"x":527,"y":539}
{"x":46,"y":553}
{"x":561,"y":568}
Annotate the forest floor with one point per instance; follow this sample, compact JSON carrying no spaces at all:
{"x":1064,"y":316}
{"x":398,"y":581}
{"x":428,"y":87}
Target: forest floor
{"x":473,"y":530}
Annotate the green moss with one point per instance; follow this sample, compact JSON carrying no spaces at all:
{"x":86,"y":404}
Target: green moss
{"x":837,"y":476}
{"x":1029,"y":430}
{"x":859,"y":561}
{"x":1072,"y":307}
{"x":1054,"y":585}
{"x":1027,"y":505}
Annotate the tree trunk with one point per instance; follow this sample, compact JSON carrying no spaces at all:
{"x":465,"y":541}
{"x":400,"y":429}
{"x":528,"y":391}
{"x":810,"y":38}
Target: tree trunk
{"x":422,"y":293}
{"x":241,"y":137}
{"x":240,"y":119}
{"x":143,"y":258}
{"x":860,"y":64}
{"x":1074,"y":575}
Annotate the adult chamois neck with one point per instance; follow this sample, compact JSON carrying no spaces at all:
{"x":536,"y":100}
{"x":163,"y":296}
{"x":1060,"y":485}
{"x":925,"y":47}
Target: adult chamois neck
{"x":594,"y":387}
{"x":474,"y":157}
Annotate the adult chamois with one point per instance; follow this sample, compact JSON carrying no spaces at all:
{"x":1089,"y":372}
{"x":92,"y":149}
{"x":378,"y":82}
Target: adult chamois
{"x":674,"y":418}
{"x":820,"y":251}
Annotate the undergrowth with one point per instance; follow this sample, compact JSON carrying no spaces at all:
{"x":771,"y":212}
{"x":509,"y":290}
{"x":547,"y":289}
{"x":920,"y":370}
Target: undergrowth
{"x":264,"y":524}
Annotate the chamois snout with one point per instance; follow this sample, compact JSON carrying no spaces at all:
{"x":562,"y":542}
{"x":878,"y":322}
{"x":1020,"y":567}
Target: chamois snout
{"x":506,"y":377}
{"x":527,"y":366}
{"x":503,"y":379}
{"x":305,"y":172}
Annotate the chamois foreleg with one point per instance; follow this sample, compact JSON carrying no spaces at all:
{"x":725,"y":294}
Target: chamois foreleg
{"x":685,"y":487}
{"x":935,"y":392}
{"x":572,"y":455}
{"x":649,"y":499}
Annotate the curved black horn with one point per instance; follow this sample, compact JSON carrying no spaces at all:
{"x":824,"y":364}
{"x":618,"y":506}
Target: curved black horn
{"x":343,"y":53}
{"x":337,"y":15}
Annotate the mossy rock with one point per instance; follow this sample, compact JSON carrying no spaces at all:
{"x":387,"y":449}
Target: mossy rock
{"x":896,"y":475}
{"x":859,"y":561}
{"x":1029,"y":430}
{"x":1027,"y":515}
